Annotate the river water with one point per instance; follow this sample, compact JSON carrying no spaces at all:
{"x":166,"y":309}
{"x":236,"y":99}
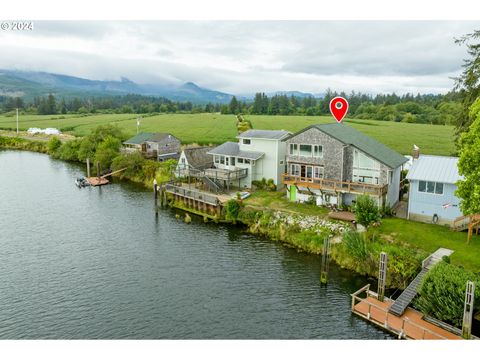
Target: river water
{"x":97,"y":263}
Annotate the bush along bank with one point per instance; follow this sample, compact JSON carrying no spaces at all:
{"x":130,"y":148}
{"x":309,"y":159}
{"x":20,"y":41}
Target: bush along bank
{"x":16,"y":143}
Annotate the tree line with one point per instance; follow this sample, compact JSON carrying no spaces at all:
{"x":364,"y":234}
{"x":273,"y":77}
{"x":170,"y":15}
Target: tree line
{"x":426,"y":108}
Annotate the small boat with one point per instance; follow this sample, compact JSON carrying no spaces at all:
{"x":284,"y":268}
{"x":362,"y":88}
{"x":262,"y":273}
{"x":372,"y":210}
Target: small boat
{"x":81,"y":182}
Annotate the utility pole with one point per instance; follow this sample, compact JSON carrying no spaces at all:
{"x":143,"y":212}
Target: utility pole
{"x":17,"y":121}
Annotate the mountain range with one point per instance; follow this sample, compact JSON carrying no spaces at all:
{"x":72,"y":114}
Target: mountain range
{"x":28,"y":84}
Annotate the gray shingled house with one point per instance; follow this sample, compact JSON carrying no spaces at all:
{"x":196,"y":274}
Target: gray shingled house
{"x":195,"y":158}
{"x":160,"y":146}
{"x":333,"y":163}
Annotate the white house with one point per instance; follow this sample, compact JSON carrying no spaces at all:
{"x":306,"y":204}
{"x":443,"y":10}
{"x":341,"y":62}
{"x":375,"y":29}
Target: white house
{"x":431,"y":196}
{"x":258,"y":154}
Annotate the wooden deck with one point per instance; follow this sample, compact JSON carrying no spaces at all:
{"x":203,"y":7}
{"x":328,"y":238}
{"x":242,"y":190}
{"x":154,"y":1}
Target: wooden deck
{"x":342,"y":215}
{"x":410,"y":325}
{"x":97,"y":181}
{"x":335,"y":185}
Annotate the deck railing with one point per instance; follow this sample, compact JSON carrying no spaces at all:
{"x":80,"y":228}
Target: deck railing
{"x":225,"y":174}
{"x":403,"y":331}
{"x":335,"y":185}
{"x":192,"y":194}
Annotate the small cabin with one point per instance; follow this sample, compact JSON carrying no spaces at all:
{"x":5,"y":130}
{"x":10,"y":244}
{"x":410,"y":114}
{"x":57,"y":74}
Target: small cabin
{"x":431,"y":196}
{"x":159,"y":146}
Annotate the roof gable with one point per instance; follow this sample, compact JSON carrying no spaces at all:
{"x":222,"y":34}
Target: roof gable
{"x":198,"y":157}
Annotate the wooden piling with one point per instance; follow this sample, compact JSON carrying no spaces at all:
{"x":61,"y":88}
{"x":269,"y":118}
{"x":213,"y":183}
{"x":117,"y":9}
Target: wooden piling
{"x":88,"y":167}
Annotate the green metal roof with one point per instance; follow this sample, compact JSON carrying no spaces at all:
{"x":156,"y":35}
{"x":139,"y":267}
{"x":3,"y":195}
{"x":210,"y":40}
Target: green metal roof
{"x":348,"y":135}
{"x":144,"y":136}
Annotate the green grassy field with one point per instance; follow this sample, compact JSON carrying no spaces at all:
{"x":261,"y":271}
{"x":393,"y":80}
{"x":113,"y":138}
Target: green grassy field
{"x":216,"y":128}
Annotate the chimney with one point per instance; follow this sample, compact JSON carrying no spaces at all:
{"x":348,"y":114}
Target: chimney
{"x":416,"y":152}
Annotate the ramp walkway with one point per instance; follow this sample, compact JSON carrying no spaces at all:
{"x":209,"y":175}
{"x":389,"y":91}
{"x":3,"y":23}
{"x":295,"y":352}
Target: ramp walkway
{"x":406,"y":297}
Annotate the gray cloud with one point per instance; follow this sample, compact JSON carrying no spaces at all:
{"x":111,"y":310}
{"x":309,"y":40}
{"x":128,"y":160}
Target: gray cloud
{"x":242,"y":57}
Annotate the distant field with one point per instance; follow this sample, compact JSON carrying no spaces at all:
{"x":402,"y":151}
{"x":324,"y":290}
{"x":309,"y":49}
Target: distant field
{"x":216,"y":128}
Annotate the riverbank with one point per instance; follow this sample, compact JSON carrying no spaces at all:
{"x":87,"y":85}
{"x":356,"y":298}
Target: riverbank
{"x":408,"y":242}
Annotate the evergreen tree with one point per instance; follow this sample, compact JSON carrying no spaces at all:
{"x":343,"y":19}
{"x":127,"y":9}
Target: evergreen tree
{"x":468,"y":83}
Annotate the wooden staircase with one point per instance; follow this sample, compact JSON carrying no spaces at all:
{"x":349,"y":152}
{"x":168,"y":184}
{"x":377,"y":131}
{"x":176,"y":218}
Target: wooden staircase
{"x":470,"y":222}
{"x":406,"y":297}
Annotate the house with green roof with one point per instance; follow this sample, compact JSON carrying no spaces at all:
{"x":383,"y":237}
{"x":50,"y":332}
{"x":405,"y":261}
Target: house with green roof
{"x":159,"y":146}
{"x":334,"y":163}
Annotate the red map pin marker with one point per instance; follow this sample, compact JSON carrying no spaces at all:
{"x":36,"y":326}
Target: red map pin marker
{"x":338,"y":108}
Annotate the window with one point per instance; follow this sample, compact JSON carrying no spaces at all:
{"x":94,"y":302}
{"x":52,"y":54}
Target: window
{"x":295,"y":170}
{"x":293,"y":149}
{"x":305,"y":150}
{"x":222,"y":159}
{"x":183,"y":160}
{"x":430,"y":187}
{"x":281,"y":162}
{"x":309,"y":172}
{"x":240,"y":160}
{"x":217,"y":159}
{"x":247,"y":141}
{"x":232,"y":161}
{"x":318,"y":151}
{"x":362,"y":161}
{"x":247,"y":161}
{"x":318,"y":172}
{"x":422,"y":185}
{"x":226,"y":160}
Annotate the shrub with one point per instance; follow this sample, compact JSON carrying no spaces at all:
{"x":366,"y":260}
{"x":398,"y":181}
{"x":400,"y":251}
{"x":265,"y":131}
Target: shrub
{"x":232,"y":209}
{"x":53,"y":144}
{"x":68,"y":150}
{"x":107,"y":150}
{"x":442,"y":293}
{"x":356,"y":245}
{"x":366,"y":211}
{"x":264,"y":184}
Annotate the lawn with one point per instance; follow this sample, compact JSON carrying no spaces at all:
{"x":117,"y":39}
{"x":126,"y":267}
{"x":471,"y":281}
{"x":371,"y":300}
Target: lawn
{"x":428,"y":237}
{"x":277,"y":200}
{"x":216,"y":128}
{"x":431,"y":237}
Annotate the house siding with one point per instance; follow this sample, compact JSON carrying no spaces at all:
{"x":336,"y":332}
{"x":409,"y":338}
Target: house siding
{"x":422,"y":206}
{"x":337,"y":162}
{"x":332,"y":149}
{"x":168,"y":145}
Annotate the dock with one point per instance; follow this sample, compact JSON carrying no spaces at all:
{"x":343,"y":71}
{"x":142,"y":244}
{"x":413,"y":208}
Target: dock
{"x":396,"y":316}
{"x":410,"y":325}
{"x":97,"y":181}
{"x":102,"y":180}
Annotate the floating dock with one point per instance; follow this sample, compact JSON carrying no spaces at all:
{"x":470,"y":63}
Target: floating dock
{"x":97,"y":181}
{"x":409,"y":325}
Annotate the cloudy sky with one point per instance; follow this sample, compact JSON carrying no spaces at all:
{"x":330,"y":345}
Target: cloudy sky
{"x":245,"y":57}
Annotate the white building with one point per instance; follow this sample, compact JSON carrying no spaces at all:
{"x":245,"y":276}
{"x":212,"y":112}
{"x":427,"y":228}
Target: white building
{"x":258,"y":154}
